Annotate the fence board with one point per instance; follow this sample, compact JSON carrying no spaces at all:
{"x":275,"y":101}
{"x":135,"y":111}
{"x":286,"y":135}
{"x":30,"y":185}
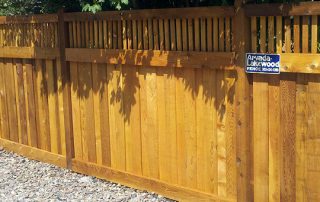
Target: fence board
{"x":11,"y":99}
{"x":52,"y":108}
{"x":149,"y":132}
{"x":117,"y":136}
{"x":29,"y":76}
{"x":4,"y":111}
{"x":75,"y":99}
{"x":132,"y":119}
{"x":274,"y":138}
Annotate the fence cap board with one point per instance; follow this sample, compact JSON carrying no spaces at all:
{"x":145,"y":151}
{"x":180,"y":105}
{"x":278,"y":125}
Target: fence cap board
{"x":153,"y":58}
{"x":199,"y":12}
{"x":44,"y":18}
{"x":300,"y":63}
{"x":303,"y":8}
{"x":29,"y":52}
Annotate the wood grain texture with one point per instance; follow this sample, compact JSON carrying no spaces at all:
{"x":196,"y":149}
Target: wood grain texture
{"x":54,"y":124}
{"x":288,"y":134}
{"x":87,"y":112}
{"x":117,"y":135}
{"x":243,"y":100}
{"x":143,"y":183}
{"x":166,"y":102}
{"x":40,"y":86}
{"x":34,"y":153}
{"x":132,"y":120}
{"x":5,"y":133}
{"x":153,"y":58}
{"x":260,"y":138}
{"x":29,"y":76}
{"x":76,"y":116}
{"x":11,"y":100}
{"x":274,"y":137}
{"x":149,"y":125}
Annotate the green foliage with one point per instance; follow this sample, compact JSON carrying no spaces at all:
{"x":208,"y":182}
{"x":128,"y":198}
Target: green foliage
{"x":23,"y":7}
{"x":18,"y":7}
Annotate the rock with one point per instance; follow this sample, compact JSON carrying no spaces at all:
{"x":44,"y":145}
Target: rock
{"x":85,"y":179}
{"x":28,"y":180}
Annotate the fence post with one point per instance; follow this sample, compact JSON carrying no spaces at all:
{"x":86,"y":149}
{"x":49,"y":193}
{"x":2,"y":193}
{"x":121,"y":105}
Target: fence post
{"x":65,"y":73}
{"x":241,"y":44}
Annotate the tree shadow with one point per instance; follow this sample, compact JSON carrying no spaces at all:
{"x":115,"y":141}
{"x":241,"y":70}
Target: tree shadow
{"x":121,"y":84}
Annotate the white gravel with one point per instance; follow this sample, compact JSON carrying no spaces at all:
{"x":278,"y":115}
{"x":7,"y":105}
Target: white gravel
{"x":22,"y":179}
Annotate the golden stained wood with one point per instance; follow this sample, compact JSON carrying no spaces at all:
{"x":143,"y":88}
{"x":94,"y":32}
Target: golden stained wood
{"x":215,"y":60}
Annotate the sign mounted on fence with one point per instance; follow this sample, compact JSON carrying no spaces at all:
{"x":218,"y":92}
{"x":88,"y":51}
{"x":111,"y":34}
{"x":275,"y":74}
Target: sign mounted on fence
{"x":263,"y":63}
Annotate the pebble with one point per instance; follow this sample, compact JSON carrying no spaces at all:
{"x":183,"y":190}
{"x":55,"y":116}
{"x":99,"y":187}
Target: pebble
{"x":22,"y":179}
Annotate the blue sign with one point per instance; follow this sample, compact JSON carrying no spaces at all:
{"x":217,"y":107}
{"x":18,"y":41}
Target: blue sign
{"x":263,"y":63}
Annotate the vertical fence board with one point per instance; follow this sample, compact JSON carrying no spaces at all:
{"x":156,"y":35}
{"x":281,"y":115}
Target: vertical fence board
{"x":155,"y":31}
{"x":11,"y":102}
{"x":287,"y":35}
{"x":86,"y":112}
{"x":42,"y":106}
{"x":296,"y":34}
{"x":76,"y":116}
{"x":230,"y":79}
{"x":52,"y":108}
{"x":274,"y":138}
{"x":149,"y":133}
{"x":227,"y":34}
{"x":314,"y":34}
{"x":271,"y":34}
{"x":221,"y":34}
{"x":288,"y":133}
{"x":29,"y":76}
{"x":61,"y":109}
{"x":96,"y":107}
{"x":196,"y":30}
{"x":260,"y":138}
{"x":4,"y":110}
{"x":254,"y":34}
{"x":17,"y":105}
{"x":215,"y":34}
{"x":279,"y":34}
{"x":117,"y":138}
{"x":131,"y":115}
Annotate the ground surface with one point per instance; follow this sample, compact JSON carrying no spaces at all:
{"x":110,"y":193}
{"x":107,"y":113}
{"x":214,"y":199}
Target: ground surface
{"x":22,"y":179}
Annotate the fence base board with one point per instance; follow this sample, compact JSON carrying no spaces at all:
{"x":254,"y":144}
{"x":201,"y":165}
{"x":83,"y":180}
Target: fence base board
{"x":34,"y":153}
{"x":143,"y":183}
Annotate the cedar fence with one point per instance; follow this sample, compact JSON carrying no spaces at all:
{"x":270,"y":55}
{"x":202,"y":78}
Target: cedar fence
{"x":159,"y":100}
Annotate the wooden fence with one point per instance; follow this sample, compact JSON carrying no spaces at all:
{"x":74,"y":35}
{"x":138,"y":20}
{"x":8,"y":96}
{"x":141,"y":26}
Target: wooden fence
{"x":158,"y":99}
{"x":286,"y":145}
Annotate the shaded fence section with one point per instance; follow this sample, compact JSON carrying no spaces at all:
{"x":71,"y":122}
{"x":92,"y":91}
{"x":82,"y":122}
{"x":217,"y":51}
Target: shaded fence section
{"x":32,"y":110}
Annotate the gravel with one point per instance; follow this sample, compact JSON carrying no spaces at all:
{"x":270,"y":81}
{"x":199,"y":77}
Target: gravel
{"x":22,"y":179}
